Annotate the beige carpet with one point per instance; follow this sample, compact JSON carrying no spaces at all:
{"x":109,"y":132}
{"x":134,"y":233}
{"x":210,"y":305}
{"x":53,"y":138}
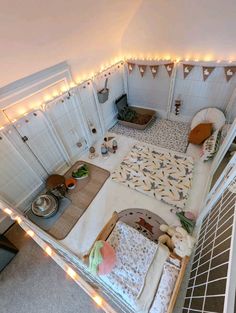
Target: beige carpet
{"x":34,"y":283}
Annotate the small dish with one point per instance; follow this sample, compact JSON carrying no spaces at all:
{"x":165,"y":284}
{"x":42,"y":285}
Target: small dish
{"x":79,"y":178}
{"x":71,"y":183}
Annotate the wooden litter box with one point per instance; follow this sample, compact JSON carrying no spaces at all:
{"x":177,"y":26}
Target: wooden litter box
{"x":140,"y":111}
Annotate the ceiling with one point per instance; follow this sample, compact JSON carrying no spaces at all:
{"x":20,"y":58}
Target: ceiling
{"x":36,"y":34}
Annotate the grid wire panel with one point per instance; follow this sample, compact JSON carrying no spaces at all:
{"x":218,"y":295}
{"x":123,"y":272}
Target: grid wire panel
{"x":65,"y":119}
{"x":42,"y":141}
{"x":17,"y":180}
{"x":147,"y":91}
{"x":197,"y":94}
{"x":208,"y":278}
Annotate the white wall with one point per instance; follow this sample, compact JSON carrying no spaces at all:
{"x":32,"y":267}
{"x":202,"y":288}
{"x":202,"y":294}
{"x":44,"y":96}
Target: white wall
{"x":185,"y":28}
{"x":195,"y":93}
{"x":38,"y":34}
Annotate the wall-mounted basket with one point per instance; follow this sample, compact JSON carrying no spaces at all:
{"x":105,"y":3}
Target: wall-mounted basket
{"x":104,"y":93}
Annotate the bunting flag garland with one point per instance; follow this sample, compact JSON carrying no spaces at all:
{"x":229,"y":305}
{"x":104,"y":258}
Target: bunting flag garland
{"x":154,"y":69}
{"x":142,"y":69}
{"x":206,"y":71}
{"x":187,"y":68}
{"x":229,"y":72}
{"x":169,"y":67}
{"x":130,"y":67}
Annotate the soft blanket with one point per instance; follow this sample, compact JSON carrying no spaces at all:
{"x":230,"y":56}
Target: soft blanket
{"x":134,"y":255}
{"x":157,"y":173}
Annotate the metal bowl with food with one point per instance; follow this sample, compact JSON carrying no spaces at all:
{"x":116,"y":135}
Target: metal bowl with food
{"x":45,"y":205}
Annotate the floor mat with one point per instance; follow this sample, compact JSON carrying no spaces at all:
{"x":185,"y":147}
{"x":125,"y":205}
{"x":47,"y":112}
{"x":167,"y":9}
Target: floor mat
{"x":164,"y":133}
{"x":157,"y":173}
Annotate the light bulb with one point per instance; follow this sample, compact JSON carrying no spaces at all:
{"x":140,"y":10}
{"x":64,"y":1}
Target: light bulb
{"x":71,"y":272}
{"x":18,"y":219}
{"x":8,"y":211}
{"x":48,"y":250}
{"x":98,"y":300}
{"x":30,"y":233}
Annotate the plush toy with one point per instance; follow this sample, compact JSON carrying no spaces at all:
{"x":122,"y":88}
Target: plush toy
{"x":177,"y":239}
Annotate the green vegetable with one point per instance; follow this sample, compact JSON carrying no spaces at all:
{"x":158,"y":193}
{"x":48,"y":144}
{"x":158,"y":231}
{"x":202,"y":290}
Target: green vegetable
{"x":186,"y":223}
{"x":81,"y":172}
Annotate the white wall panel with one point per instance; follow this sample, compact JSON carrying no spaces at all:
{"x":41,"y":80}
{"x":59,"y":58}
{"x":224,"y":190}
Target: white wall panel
{"x":42,"y":141}
{"x":197,"y":94}
{"x":16,"y":140}
{"x":147,"y":91}
{"x":89,"y":108}
{"x":17,"y":179}
{"x":65,"y":118}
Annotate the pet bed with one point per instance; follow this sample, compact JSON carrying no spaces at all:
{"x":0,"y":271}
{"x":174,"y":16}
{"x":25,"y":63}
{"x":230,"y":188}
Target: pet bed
{"x":138,"y":261}
{"x":210,"y":115}
{"x":157,"y":173}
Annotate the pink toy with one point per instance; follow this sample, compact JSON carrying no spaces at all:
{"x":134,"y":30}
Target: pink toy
{"x":109,"y":259}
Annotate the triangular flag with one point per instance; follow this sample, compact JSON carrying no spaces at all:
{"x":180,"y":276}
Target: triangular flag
{"x":130,"y":67}
{"x":206,"y":71}
{"x":187,"y":68}
{"x":169,"y":67}
{"x":142,"y":69}
{"x":229,"y":72}
{"x":154,"y":69}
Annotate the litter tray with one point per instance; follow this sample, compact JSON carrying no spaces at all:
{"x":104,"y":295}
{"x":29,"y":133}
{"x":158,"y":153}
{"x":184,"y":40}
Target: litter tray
{"x":142,"y":111}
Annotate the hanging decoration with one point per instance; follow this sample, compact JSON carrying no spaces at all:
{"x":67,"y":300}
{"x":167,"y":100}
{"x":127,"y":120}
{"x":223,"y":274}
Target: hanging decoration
{"x":154,"y":69}
{"x":169,"y":67}
{"x":229,"y":72}
{"x":142,"y":69}
{"x":206,"y":71}
{"x":130,"y":67}
{"x":187,"y":68}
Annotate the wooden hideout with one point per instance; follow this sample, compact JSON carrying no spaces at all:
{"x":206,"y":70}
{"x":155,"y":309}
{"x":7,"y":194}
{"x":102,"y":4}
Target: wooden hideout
{"x":104,"y":234}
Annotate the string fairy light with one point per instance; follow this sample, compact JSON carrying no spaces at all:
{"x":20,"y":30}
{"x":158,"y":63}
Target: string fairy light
{"x":48,"y":250}
{"x":30,"y":233}
{"x":67,"y":90}
{"x":98,"y":300}
{"x":71,"y":272}
{"x":8,"y":211}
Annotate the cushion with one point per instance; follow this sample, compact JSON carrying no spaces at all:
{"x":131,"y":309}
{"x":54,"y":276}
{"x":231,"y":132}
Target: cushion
{"x":200,"y":133}
{"x":211,"y":115}
{"x":211,"y":146}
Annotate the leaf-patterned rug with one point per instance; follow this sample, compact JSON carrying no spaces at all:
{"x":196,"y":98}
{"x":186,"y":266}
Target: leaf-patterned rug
{"x":159,"y":174}
{"x":163,"y":133}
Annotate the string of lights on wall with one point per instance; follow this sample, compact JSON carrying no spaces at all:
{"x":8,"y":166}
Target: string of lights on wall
{"x":66,"y":92}
{"x":153,"y":61}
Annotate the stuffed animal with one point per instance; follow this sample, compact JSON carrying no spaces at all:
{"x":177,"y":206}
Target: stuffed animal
{"x":177,"y":239}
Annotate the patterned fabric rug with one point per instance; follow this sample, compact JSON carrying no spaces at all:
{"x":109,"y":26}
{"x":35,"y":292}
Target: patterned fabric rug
{"x":164,"y":133}
{"x":165,"y":176}
{"x":144,"y":221}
